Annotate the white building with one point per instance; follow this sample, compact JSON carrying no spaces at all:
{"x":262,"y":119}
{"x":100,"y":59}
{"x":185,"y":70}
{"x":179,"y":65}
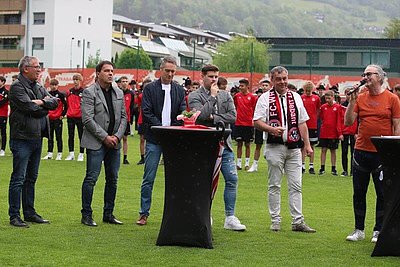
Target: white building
{"x":62,"y":34}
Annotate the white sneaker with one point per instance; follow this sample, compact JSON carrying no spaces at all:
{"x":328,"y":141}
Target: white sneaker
{"x":80,"y":157}
{"x":211,"y":220}
{"x":71,"y":156}
{"x":48,"y":156}
{"x":375,"y":235}
{"x":59,"y":156}
{"x":2,"y":153}
{"x":356,"y":235}
{"x":233,"y":223}
{"x":253,"y":168}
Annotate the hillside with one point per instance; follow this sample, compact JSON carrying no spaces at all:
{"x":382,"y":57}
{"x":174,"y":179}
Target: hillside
{"x":274,"y":18}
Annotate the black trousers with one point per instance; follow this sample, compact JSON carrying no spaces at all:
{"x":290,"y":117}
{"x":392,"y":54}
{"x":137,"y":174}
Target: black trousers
{"x":3,"y":128}
{"x":72,"y":122}
{"x":348,"y":140}
{"x":366,"y":164}
{"x":56,"y":127}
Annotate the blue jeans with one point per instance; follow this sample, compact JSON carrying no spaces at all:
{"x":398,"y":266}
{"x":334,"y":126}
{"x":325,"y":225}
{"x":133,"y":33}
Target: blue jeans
{"x":111,"y":158}
{"x":26,"y":160}
{"x":228,"y":170}
{"x":151,"y":161}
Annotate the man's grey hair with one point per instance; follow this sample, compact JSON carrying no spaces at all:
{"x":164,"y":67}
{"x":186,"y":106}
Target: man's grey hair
{"x":380,"y":72}
{"x":25,"y":62}
{"x":277,"y":70}
{"x":168,"y":59}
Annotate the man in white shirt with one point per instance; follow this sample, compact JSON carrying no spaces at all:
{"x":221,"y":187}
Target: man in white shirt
{"x":280,"y":113}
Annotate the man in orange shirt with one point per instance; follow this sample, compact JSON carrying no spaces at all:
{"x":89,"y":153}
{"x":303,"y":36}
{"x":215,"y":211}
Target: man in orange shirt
{"x":379,"y":114}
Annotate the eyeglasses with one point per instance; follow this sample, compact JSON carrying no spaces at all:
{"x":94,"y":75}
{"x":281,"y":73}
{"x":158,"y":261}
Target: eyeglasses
{"x":35,"y":67}
{"x":368,"y":74}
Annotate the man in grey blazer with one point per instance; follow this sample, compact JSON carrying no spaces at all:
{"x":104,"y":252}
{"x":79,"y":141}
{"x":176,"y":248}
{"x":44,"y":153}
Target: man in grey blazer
{"x":217,"y":106}
{"x":104,"y":120}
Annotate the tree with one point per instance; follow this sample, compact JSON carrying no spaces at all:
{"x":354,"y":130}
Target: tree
{"x":393,"y":29}
{"x":240,"y":53}
{"x":93,"y":60}
{"x":129,"y":59}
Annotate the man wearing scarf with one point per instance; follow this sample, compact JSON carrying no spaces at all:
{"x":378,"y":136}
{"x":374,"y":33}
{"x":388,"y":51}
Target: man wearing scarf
{"x":280,"y":113}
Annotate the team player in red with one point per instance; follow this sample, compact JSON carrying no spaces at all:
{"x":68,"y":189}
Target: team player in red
{"x":312,"y":104}
{"x":3,"y":114}
{"x":74,"y":116}
{"x":331,"y":130}
{"x":245,"y":103}
{"x":55,"y":118}
{"x":129,"y":106}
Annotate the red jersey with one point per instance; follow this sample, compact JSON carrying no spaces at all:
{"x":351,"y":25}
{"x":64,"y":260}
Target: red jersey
{"x":312,"y":105}
{"x":74,"y":97}
{"x":348,"y":130}
{"x":331,"y":124}
{"x":129,"y":102}
{"x":245,"y":105}
{"x":3,"y":102}
{"x":139,"y":102}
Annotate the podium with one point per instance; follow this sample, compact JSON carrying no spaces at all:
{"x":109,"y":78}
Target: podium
{"x":189,"y":155}
{"x":389,"y":238}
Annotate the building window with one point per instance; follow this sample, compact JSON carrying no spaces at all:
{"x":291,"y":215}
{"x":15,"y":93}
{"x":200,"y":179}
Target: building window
{"x":38,"y":18}
{"x":9,"y":43}
{"x":312,"y":58}
{"x":79,"y":19}
{"x":88,"y":45}
{"x":38,"y":43}
{"x":79,"y":43}
{"x":117,"y":27}
{"x":10,"y":19}
{"x":379,"y":58}
{"x":143,"y":32}
{"x":89,"y":21}
{"x":285,"y":57}
{"x":340,"y":58}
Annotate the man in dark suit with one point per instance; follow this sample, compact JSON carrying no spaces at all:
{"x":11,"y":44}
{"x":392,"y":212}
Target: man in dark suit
{"x":30,"y":103}
{"x":104,"y":120}
{"x":163,"y":100}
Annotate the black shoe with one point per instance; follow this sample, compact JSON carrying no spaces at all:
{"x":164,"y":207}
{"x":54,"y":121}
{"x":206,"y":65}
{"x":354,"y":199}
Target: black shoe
{"x":311,"y":171}
{"x":88,"y":220}
{"x":140,"y":162}
{"x":18,"y":222}
{"x":334,"y":173}
{"x":36,"y":218}
{"x":344,"y":174}
{"x":126,"y":162}
{"x":321,"y":172}
{"x":112,"y":220}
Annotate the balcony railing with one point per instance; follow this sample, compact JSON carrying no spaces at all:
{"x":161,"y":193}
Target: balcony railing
{"x":13,"y":5}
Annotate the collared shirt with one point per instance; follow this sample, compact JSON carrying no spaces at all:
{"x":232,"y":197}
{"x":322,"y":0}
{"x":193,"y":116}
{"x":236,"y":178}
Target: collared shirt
{"x":166,"y":111}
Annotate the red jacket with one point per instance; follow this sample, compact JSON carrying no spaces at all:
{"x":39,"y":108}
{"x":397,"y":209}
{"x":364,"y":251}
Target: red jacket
{"x":3,"y":102}
{"x":62,"y":107}
{"x":129,"y":103}
{"x":348,"y":130}
{"x":74,"y":97}
{"x":245,"y":105}
{"x":312,"y":105}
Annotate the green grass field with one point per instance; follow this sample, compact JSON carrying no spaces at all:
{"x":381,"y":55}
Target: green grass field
{"x":327,"y":206}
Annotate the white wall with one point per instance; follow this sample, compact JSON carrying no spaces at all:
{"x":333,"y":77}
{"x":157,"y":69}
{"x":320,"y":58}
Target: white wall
{"x":62,"y":24}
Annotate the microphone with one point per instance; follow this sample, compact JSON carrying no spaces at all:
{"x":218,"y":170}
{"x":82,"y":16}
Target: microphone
{"x":362,"y":82}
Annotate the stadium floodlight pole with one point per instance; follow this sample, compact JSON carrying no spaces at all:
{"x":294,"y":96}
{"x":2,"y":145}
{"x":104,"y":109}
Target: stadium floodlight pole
{"x":70,"y":53}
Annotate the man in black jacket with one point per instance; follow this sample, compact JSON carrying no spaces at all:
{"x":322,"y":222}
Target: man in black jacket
{"x":163,"y":100}
{"x":30,"y":103}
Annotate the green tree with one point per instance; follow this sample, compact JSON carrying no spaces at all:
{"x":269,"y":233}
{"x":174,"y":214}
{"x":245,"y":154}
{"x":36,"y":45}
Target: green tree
{"x":93,"y":60}
{"x":240,"y":53}
{"x":129,"y":59}
{"x":393,"y":29}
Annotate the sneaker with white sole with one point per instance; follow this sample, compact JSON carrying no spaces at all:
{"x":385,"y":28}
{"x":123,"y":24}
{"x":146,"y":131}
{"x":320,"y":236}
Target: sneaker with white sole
{"x":48,"y":156}
{"x":59,"y":156}
{"x":375,"y":236}
{"x":253,"y":168}
{"x":2,"y":153}
{"x":356,"y":235}
{"x":80,"y":157}
{"x":71,"y":156}
{"x":275,"y":227}
{"x":233,"y":223}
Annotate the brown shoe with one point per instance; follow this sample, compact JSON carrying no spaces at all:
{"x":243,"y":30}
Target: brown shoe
{"x":142,"y":220}
{"x":302,"y":227}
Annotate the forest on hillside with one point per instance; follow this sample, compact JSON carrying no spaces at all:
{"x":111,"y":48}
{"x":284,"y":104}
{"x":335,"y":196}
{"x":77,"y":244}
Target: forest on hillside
{"x":269,"y":18}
